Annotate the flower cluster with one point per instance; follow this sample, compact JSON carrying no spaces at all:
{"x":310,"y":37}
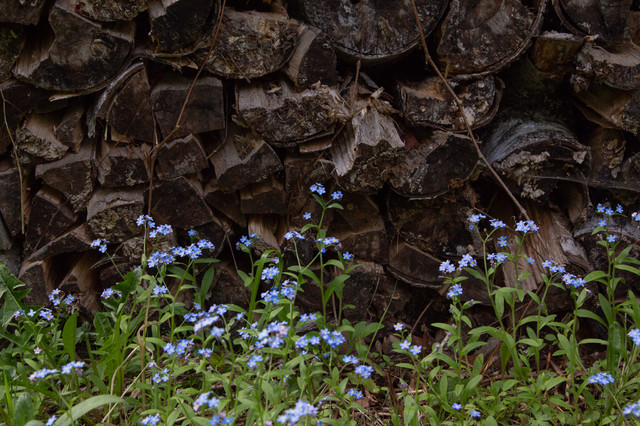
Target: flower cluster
{"x":553,"y":267}
{"x":447,"y":267}
{"x":101,"y":243}
{"x":364,"y":371}
{"x":72,"y":366}
{"x":496,"y":257}
{"x":572,"y":280}
{"x":293,"y":235}
{"x":317,"y":188}
{"x":42,"y":374}
{"x":161,"y":376}
{"x":151,"y":420}
{"x":455,"y":290}
{"x":632,"y":409}
{"x":181,"y":348}
{"x":294,"y":415}
{"x":247,"y":241}
{"x":273,"y":295}
{"x":205,"y":399}
{"x":414,"y":350}
{"x":272,"y":336}
{"x":107,"y":293}
{"x":269,"y":273}
{"x":333,"y":338}
{"x":601,"y":378}
{"x":307,"y":340}
{"x":526,"y":226}
{"x":355,"y":393}
{"x":467,"y":261}
{"x":475,"y":218}
{"x":497,"y":224}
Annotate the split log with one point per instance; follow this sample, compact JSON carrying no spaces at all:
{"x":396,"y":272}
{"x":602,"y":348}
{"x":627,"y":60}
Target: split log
{"x":12,"y":39}
{"x":132,"y":119}
{"x":242,"y":160}
{"x":99,"y":51}
{"x":360,"y":229}
{"x":607,"y":147}
{"x":282,"y":115}
{"x":13,"y":194}
{"x":300,"y":173}
{"x":49,"y":217}
{"x":313,"y":59}
{"x":251,"y":44}
{"x":70,"y":130}
{"x":483,"y":37}
{"x":40,"y":277}
{"x":5,"y":236}
{"x":617,"y":66}
{"x":36,"y":140}
{"x":180,"y":157}
{"x":180,"y":202}
{"x":611,"y":107}
{"x":368,"y":148}
{"x":76,"y":240}
{"x":414,"y":266}
{"x":630,"y":172}
{"x":371,"y":30}
{"x":21,"y":12}
{"x":227,"y":287}
{"x":534,"y":152}
{"x":204,"y":111}
{"x":112,"y":10}
{"x":227,"y":203}
{"x":605,"y":19}
{"x":73,"y":175}
{"x":437,"y":227}
{"x":112,"y":214}
{"x":218,"y":231}
{"x":18,"y":99}
{"x":119,"y":165}
{"x":266,"y":197}
{"x":176,"y":24}
{"x":82,"y":281}
{"x":433,"y":163}
{"x":266,"y":228}
{"x":427,"y":103}
{"x":554,"y":52}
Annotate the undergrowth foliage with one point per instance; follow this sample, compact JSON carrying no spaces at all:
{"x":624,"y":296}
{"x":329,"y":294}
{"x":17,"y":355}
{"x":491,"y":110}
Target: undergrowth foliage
{"x":149,"y":358}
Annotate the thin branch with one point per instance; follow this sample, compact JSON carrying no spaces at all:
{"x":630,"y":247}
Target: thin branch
{"x":433,"y":65}
{"x":15,"y":155}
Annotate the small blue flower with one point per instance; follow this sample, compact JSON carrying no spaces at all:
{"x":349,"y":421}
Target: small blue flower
{"x":306,"y":216}
{"x":612,"y":238}
{"x":415,"y":350}
{"x":364,"y":371}
{"x":405,"y":345}
{"x":526,"y":226}
{"x":269,"y":273}
{"x":502,"y":241}
{"x":101,"y":243}
{"x":350,"y":359}
{"x":455,"y":290}
{"x":456,"y":406}
{"x":307,"y":317}
{"x":46,"y":314}
{"x":398,"y":326}
{"x":253,"y":361}
{"x":68,"y":368}
{"x":217,"y":332}
{"x":318,"y":188}
{"x":467,"y":261}
{"x":192,"y":233}
{"x":474,"y":413}
{"x":337,"y":195}
{"x":447,"y":267}
{"x":497,"y":257}
{"x":602,"y":223}
{"x":160,"y":289}
{"x":51,"y":420}
{"x":151,"y":420}
{"x":531,"y":260}
{"x":497,"y":224}
{"x":355,"y":393}
{"x":635,"y":336}
{"x":347,"y":256}
{"x":632,"y":409}
{"x":601,"y":378}
{"x":475,"y":218}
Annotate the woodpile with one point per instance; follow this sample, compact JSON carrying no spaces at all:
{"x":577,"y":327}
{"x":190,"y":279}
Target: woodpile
{"x":218,"y":116}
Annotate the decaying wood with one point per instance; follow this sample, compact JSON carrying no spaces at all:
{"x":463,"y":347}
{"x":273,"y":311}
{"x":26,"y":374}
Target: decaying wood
{"x":611,"y":107}
{"x":606,"y":19}
{"x":617,"y":66}
{"x":21,"y":12}
{"x":532,"y":151}
{"x":266,"y":197}
{"x":12,"y":39}
{"x":176,"y":24}
{"x":12,"y":194}
{"x":5,"y":236}
{"x":414,"y":266}
{"x":73,"y":175}
{"x":485,"y":36}
{"x":242,"y":160}
{"x":49,"y":217}
{"x":36,"y":140}
{"x":433,"y":164}
{"x":368,"y":148}
{"x":112,"y":10}
{"x":360,"y":229}
{"x":122,"y":165}
{"x":132,"y":119}
{"x":227,"y":287}
{"x":76,"y":240}
{"x":180,"y":202}
{"x":427,"y":103}
{"x":204,"y":111}
{"x":112,"y":214}
{"x":300,"y":173}
{"x":266,"y":228}
{"x":99,"y":51}
{"x":552,"y":52}
{"x":70,"y":130}
{"x":313,"y":59}
{"x":40,"y":277}
{"x":251,"y":44}
{"x":607,"y":154}
{"x":182,"y":156}
{"x":18,"y":99}
{"x":282,"y":115}
{"x":371,"y":30}
{"x":83,"y":282}
{"x":226,"y":203}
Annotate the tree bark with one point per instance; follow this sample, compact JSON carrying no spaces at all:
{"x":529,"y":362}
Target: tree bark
{"x":176,"y":24}
{"x":182,"y":156}
{"x":112,"y":10}
{"x":120,"y":165}
{"x":49,"y":217}
{"x":313,"y":60}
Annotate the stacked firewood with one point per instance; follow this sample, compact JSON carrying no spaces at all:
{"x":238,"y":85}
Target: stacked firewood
{"x":218,"y":115}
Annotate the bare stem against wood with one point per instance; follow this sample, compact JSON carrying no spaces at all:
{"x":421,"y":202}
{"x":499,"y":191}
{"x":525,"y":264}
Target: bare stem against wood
{"x":15,"y":154}
{"x":432,"y":64}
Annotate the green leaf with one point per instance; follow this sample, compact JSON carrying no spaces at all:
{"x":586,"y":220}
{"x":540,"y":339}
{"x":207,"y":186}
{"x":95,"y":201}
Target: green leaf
{"x":628,"y":269}
{"x":12,"y":296}
{"x":584,"y":313}
{"x":207,"y":279}
{"x":595,"y":275}
{"x":69,"y":335}
{"x":23,"y":409}
{"x":85,"y":406}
